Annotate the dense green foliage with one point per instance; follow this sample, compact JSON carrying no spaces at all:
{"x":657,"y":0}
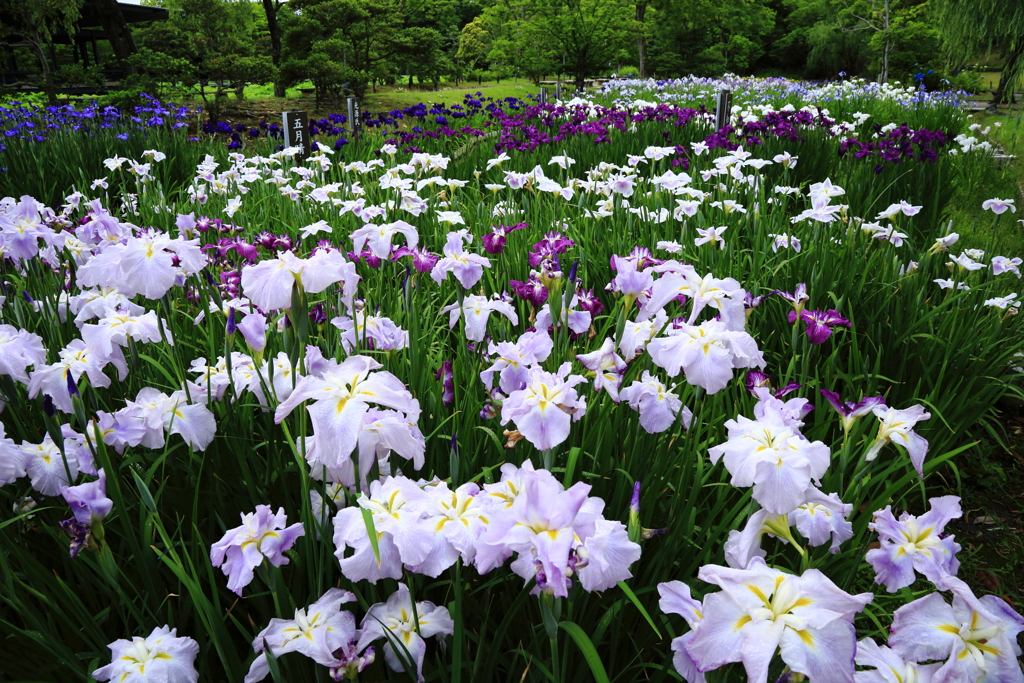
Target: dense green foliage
{"x":214,"y":46}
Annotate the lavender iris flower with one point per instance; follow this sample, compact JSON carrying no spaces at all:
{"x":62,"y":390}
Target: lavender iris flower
{"x":897,"y":426}
{"x":915,"y":543}
{"x":317,"y":631}
{"x":399,"y":621}
{"x":262,"y":535}
{"x":89,"y":501}
{"x":760,"y":610}
{"x":890,"y":667}
{"x":467,"y":267}
{"x":977,"y":638}
{"x":546,"y":406}
{"x":161,"y":656}
{"x":254,"y":329}
{"x":658,"y":406}
{"x":607,"y":366}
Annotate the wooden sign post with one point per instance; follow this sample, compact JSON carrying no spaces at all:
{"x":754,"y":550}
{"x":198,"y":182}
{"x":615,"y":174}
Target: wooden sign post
{"x":296,"y":132}
{"x":723,"y":108}
{"x":353,"y":120}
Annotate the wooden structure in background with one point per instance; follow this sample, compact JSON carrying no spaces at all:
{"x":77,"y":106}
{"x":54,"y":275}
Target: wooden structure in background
{"x":83,"y":42}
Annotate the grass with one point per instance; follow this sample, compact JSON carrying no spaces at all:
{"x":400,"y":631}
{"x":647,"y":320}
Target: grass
{"x":397,"y":98}
{"x":976,"y":226}
{"x":993,"y":497}
{"x":259,"y":99}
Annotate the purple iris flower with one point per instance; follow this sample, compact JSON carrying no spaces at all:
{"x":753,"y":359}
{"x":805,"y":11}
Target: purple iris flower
{"x":204,"y":223}
{"x":820,"y":323}
{"x":758,"y":380}
{"x":78,"y":532}
{"x":447,"y":379}
{"x":850,"y":412}
{"x":532,"y":291}
{"x":422,"y":260}
{"x":492,"y":405}
{"x":552,"y":245}
{"x":494,"y":242}
{"x":798,"y":298}
{"x":372,"y":259}
{"x":588,"y":301}
{"x":241,"y":247}
{"x":267,"y":240}
{"x":750,"y":302}
{"x":641,"y":256}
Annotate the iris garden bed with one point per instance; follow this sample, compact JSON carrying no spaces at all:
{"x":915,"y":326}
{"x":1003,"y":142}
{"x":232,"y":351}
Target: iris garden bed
{"x":499,"y":392}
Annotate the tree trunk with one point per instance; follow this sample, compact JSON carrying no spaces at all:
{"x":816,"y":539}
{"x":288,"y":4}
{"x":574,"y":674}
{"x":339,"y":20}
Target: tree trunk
{"x":270,"y":7}
{"x":1008,"y":74}
{"x":886,"y":46}
{"x":884,"y":76}
{"x":641,"y":38}
{"x":48,"y":86}
{"x":581,"y":73}
{"x":114,"y":25}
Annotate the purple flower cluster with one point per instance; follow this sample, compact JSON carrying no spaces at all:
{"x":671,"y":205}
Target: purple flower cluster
{"x":24,"y":121}
{"x":897,"y":145}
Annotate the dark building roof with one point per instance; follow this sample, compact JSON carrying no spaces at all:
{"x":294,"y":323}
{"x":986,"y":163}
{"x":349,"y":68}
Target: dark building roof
{"x":133,"y":14}
{"x":89,"y":25}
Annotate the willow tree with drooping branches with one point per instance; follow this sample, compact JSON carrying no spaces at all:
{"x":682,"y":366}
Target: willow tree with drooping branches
{"x":973,"y":27}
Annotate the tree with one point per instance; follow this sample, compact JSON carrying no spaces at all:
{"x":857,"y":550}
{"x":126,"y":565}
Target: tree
{"x":333,"y":42}
{"x":204,"y":45}
{"x":833,"y":51}
{"x":708,"y":37}
{"x":587,"y":32}
{"x":33,"y":25}
{"x":474,"y":44}
{"x":897,"y":30}
{"x":874,"y":16}
{"x":270,"y":8}
{"x":973,"y":27}
{"x":791,"y":47}
{"x":515,"y":44}
{"x":641,"y":37}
